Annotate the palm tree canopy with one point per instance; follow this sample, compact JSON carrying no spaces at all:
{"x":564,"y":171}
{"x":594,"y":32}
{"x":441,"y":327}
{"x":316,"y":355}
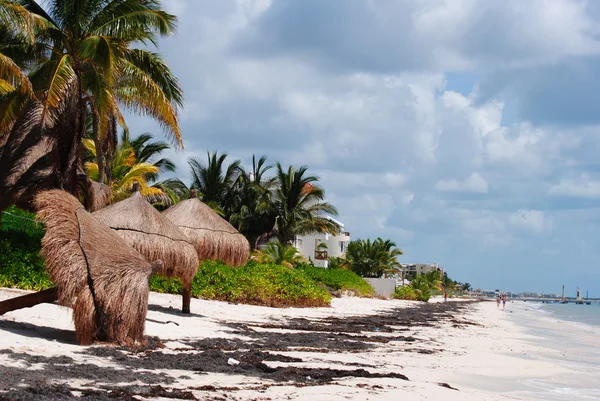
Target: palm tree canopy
{"x":373,"y":258}
{"x":79,"y":58}
{"x":278,"y":253}
{"x":215,"y":180}
{"x":299,"y":204}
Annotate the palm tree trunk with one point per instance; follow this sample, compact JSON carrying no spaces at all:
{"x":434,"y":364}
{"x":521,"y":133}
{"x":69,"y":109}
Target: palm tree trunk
{"x":98,"y":143}
{"x":29,"y":300}
{"x":110,"y":146}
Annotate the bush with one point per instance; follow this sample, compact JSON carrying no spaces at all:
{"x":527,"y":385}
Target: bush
{"x":257,"y":284}
{"x":339,"y":279}
{"x":409,"y":293}
{"x":21,"y":266}
{"x":405,"y":292}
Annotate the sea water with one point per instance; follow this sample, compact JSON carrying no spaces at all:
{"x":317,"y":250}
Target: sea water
{"x":571,"y":334}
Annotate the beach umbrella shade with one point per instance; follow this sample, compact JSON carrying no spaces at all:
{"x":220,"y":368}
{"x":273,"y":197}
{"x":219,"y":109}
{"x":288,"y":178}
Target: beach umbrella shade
{"x":96,"y":272}
{"x":155,"y":237}
{"x":213,"y":237}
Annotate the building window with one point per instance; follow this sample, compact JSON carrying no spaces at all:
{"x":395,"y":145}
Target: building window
{"x":342,"y":246}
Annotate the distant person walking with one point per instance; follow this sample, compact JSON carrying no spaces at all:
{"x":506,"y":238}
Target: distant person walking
{"x":498,"y":301}
{"x":445,"y":296}
{"x":503,"y":301}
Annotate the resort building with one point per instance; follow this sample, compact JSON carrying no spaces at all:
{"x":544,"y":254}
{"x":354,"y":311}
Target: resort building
{"x":411,"y":271}
{"x":319,"y":247}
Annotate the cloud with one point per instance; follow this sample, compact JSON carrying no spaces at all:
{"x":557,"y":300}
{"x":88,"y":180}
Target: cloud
{"x":474,"y":183}
{"x":584,"y":187}
{"x":390,"y":36}
{"x":460,"y":168}
{"x":532,"y":220}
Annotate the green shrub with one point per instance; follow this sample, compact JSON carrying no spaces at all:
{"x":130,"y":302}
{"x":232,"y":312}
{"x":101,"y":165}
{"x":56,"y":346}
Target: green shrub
{"x":257,"y":284}
{"x":339,"y":279}
{"x":405,"y":292}
{"x":21,"y":266}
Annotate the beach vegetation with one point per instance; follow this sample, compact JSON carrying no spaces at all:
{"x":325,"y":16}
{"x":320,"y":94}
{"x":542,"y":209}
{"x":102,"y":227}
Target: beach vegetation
{"x":373,"y":258}
{"x":128,"y":168}
{"x":300,"y":205}
{"x":215,"y":181}
{"x":339,"y":279}
{"x":84,"y":66}
{"x":406,"y":292}
{"x":278,"y":253}
{"x":255,"y":283}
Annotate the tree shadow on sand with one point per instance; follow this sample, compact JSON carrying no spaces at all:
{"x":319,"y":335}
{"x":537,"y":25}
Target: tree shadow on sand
{"x":36,"y":331}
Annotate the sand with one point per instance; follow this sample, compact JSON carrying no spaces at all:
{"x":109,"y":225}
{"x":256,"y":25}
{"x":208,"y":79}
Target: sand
{"x":360,"y":349}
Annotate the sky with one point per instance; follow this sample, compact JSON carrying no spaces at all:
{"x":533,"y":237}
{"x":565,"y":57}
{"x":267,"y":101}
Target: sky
{"x":466,"y":131}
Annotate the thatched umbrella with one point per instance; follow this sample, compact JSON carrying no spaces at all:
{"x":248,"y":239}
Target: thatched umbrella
{"x":155,"y":237}
{"x":212,"y":235}
{"x":97,"y":273}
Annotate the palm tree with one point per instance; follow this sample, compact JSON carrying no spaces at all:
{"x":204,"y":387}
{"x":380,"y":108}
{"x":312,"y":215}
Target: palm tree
{"x":126,"y":169}
{"x":215,"y":182}
{"x":254,"y":214}
{"x":299,"y":205}
{"x":174,"y":189}
{"x":147,"y":151}
{"x":336,"y":262}
{"x":373,"y":258}
{"x":279,"y":253}
{"x":89,"y":66}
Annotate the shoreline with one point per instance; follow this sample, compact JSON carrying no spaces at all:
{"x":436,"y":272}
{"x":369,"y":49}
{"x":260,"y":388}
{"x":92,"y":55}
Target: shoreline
{"x":359,"y":348}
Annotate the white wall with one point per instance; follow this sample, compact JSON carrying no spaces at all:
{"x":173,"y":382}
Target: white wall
{"x":336,"y":245}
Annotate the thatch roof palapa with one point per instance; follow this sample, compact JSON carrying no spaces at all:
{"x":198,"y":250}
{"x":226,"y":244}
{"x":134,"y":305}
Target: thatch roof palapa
{"x":212,"y":235}
{"x":97,"y":273}
{"x":154,"y":236}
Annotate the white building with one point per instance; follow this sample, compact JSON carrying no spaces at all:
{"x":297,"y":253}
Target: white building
{"x":318,"y":247}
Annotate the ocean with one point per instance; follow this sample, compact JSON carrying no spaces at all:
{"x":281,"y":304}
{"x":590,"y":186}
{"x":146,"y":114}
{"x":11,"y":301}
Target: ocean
{"x":571,"y":335}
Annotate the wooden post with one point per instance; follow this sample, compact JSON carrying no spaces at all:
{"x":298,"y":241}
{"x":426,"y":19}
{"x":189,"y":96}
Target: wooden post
{"x":187,"y":295}
{"x":29,"y":300}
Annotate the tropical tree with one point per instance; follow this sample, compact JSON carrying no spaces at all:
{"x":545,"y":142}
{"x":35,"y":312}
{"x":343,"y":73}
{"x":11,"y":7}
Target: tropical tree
{"x":299,"y":205}
{"x":174,"y":189}
{"x":215,"y":181}
{"x":279,"y":253}
{"x":336,"y":262}
{"x":466,"y":287}
{"x":148,"y":151}
{"x":254,"y":213}
{"x":126,"y":169}
{"x":88,"y":66}
{"x":373,"y":258}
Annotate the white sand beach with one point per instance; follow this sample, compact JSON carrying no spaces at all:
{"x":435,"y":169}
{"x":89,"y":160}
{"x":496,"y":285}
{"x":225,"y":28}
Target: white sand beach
{"x":487,"y":360}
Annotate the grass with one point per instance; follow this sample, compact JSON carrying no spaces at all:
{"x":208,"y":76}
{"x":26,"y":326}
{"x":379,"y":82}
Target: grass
{"x":340,"y":279}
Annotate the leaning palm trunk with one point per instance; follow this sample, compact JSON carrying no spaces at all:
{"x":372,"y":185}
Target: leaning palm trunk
{"x":155,"y":237}
{"x":96,"y":272}
{"x":213,"y":237}
{"x":39,"y":153}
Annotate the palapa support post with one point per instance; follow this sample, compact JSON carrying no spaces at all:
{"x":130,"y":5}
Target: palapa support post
{"x":29,"y":300}
{"x":187,"y":295}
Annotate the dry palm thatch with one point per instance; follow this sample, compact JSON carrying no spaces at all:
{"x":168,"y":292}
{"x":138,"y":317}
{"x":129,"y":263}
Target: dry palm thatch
{"x":95,"y":195}
{"x":96,"y":272}
{"x":155,"y":237}
{"x":213,"y":236}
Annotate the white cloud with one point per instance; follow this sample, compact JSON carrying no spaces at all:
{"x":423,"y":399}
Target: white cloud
{"x":474,"y":183}
{"x":532,"y":220}
{"x":584,"y":187}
